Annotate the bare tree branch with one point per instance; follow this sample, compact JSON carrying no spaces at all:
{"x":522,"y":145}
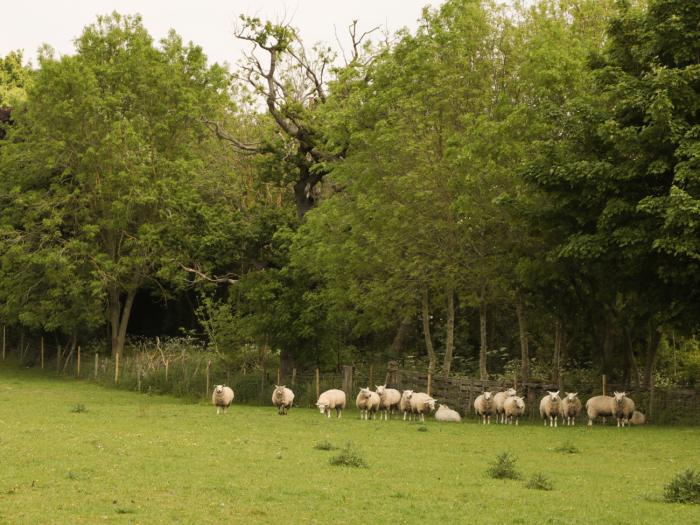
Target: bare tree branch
{"x":226,"y":279}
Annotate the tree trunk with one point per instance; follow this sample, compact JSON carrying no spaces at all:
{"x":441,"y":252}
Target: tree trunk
{"x":425,"y":310}
{"x":608,"y":340}
{"x":287,"y":362}
{"x":397,"y":344}
{"x":652,"y":351}
{"x":524,"y":350}
{"x":558,"y":343}
{"x":483,"y":373}
{"x":450,"y":339}
{"x":119,"y":318}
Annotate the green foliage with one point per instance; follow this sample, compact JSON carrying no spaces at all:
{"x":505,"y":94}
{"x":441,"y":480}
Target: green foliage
{"x":324,"y":445}
{"x":684,"y":488}
{"x":349,"y":456}
{"x":503,"y":467}
{"x":15,"y":78}
{"x":567,"y":447}
{"x":540,"y":482}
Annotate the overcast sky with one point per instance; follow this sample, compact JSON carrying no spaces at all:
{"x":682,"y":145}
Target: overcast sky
{"x":28,"y":24}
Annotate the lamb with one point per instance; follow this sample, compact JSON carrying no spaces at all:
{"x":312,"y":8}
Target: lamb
{"x":331,"y":399}
{"x":221,"y":398}
{"x":389,"y":400}
{"x":570,"y":408}
{"x":445,"y":413}
{"x":422,"y":403}
{"x":282,"y":398}
{"x":405,"y":403}
{"x":623,"y":408}
{"x":498,"y":401}
{"x":368,"y":403}
{"x":483,"y":407}
{"x":638,"y":418}
{"x":550,"y":408}
{"x":513,"y":407}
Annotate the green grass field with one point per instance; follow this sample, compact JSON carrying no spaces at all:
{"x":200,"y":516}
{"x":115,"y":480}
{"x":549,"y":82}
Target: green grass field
{"x":131,"y":458}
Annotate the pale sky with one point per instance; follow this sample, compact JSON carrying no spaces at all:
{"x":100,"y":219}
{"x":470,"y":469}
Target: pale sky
{"x":27,"y":24}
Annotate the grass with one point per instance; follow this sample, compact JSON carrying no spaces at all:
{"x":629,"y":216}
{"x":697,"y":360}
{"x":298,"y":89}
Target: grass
{"x":567,"y":447}
{"x":154,"y":459}
{"x":540,"y":482}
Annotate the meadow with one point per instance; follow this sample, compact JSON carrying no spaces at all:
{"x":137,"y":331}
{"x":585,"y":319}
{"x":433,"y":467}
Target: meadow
{"x":74,"y":452}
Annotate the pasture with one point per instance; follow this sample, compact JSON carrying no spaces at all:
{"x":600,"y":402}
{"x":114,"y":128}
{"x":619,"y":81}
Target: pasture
{"x":73,"y":452}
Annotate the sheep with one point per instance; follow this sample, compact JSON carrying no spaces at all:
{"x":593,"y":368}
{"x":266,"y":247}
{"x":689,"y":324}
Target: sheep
{"x":368,"y":403}
{"x":282,"y":398}
{"x":390,"y":399}
{"x":570,"y":408}
{"x":483,"y":407}
{"x":422,"y":403}
{"x":623,"y":408}
{"x":331,"y":399}
{"x":513,"y":407}
{"x":445,"y":413}
{"x":599,"y":406}
{"x":405,"y":403}
{"x":550,"y":408}
{"x":221,"y":398}
{"x":498,"y":401}
{"x":638,"y":418}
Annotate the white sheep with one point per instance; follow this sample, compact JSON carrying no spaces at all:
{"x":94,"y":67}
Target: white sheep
{"x":331,"y":399}
{"x":405,"y":404}
{"x":390,"y":399}
{"x":445,"y":413}
{"x":221,"y":398}
{"x":570,"y":408}
{"x":483,"y":407}
{"x":368,"y":403}
{"x":619,"y":406}
{"x":638,"y":418}
{"x":513,"y":407}
{"x":550,"y":408}
{"x":623,"y":408}
{"x":282,"y":398}
{"x":422,"y":403}
{"x":498,"y":401}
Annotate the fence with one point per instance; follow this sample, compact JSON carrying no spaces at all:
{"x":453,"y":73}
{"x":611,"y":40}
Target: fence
{"x":193,"y":374}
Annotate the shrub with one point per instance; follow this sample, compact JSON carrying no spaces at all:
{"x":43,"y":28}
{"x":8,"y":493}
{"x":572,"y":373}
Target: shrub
{"x":567,"y":447}
{"x":349,"y":456}
{"x":503,"y":467}
{"x":684,"y":488}
{"x":540,"y":482}
{"x":422,"y":428}
{"x":324,"y":445}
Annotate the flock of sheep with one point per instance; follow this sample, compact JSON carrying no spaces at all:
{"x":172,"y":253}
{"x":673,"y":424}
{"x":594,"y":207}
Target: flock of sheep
{"x":506,"y":406}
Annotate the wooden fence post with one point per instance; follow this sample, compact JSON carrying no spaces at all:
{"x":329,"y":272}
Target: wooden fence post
{"x":97,"y":358}
{"x":279,"y":376}
{"x":58,"y":358}
{"x":429,"y":387}
{"x":318,"y":384}
{"x":294,"y":376}
{"x":371,"y":378}
{"x":116,"y":368}
{"x":77,"y":371}
{"x":208,"y":376}
{"x":347,"y":380}
{"x":167,"y":366}
{"x":42,"y":352}
{"x":3,"y":342}
{"x":605,"y":384}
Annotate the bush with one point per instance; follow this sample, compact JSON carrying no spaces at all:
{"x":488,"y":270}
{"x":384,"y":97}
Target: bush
{"x":349,"y":456}
{"x":567,"y":448}
{"x":684,"y":488}
{"x":324,"y":445}
{"x":503,"y":467}
{"x":540,"y":482}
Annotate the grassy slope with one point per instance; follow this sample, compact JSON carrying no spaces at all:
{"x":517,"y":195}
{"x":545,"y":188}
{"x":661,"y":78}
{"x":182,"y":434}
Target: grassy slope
{"x":139,"y":459}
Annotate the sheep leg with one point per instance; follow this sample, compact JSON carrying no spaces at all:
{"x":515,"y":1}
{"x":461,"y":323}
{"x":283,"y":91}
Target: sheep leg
{"x":516,"y":421}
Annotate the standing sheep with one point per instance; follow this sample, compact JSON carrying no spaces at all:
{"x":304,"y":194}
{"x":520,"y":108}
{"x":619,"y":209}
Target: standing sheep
{"x":405,"y":403}
{"x":513,"y":407}
{"x":498,"y":401}
{"x":445,"y":413}
{"x":422,"y":403}
{"x":331,"y":399}
{"x":550,"y":408}
{"x":368,"y":403}
{"x":623,"y":408}
{"x":282,"y":398}
{"x":599,"y":406}
{"x":389,"y":400}
{"x":221,"y":398}
{"x":638,"y":418}
{"x":570,"y":408}
{"x":483,"y":407}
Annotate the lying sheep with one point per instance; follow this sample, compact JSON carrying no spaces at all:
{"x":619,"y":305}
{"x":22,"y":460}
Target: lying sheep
{"x":221,"y":398}
{"x":389,"y":400}
{"x":513,"y":407}
{"x":570,"y":408}
{"x":331,"y":399}
{"x":422,"y":403}
{"x":368,"y":403}
{"x":550,"y":407}
{"x":638,"y":418}
{"x":498,"y":401}
{"x":282,"y":398}
{"x":483,"y":407}
{"x":445,"y":413}
{"x":405,"y":404}
{"x":623,"y":408}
